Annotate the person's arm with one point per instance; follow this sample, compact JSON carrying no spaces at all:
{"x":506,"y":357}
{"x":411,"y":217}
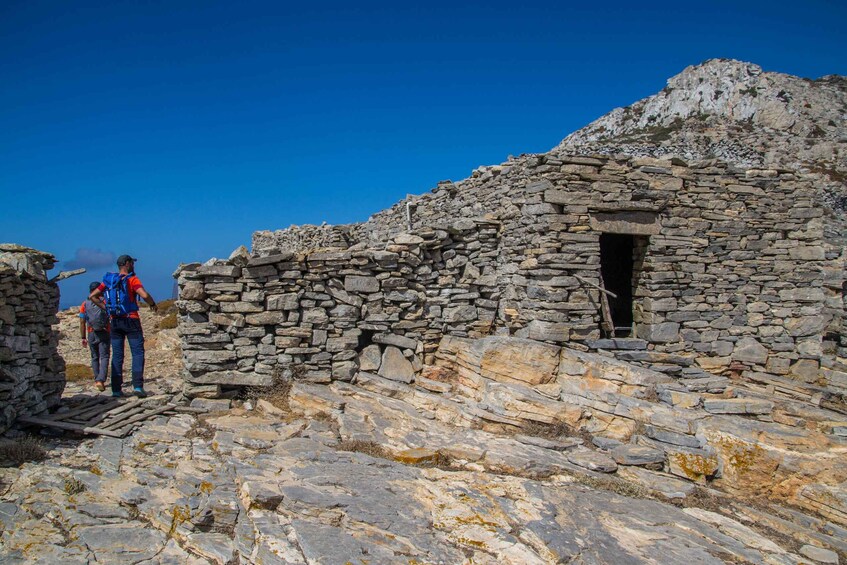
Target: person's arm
{"x":95,"y":298}
{"x":147,"y":298}
{"x":82,"y":334}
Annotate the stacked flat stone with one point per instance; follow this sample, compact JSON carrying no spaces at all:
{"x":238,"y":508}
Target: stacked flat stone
{"x":302,"y":238}
{"x":733,"y":272}
{"x":31,"y":371}
{"x":324,"y":315}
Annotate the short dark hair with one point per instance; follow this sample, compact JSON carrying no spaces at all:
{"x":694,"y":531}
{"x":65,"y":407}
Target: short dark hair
{"x":93,"y":286}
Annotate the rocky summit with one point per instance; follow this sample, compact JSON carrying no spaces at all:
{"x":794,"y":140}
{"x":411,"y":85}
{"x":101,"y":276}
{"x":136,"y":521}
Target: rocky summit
{"x":629,"y":349}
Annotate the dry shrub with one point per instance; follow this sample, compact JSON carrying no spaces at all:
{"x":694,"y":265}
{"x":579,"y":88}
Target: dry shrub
{"x":166,"y":307}
{"x":74,"y":486}
{"x":17,"y":452}
{"x":613,"y":484}
{"x":75,"y":372}
{"x":169,"y":322}
{"x":648,"y":394}
{"x":555,"y":430}
{"x":701,"y":498}
{"x":439,"y":461}
{"x":324,"y":417}
{"x":277,"y":394}
{"x":200,"y":431}
{"x":440,"y":374}
{"x":367,"y":447}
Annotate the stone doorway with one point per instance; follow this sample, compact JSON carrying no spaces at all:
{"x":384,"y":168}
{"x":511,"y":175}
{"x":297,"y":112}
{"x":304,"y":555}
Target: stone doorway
{"x":618,"y":268}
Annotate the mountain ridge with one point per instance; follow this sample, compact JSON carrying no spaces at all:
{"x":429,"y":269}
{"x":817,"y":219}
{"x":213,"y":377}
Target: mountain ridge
{"x":733,"y":111}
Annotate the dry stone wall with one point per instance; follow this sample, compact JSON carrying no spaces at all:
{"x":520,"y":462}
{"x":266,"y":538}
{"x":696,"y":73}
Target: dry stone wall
{"x":326,"y":314}
{"x":31,"y":370}
{"x":731,"y":269}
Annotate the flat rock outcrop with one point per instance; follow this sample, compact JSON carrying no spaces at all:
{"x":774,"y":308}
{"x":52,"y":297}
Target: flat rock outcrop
{"x":245,"y":486}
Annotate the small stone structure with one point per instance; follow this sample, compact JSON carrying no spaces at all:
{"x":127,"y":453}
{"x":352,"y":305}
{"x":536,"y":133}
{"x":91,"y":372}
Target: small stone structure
{"x":714,"y":268}
{"x":31,"y":371}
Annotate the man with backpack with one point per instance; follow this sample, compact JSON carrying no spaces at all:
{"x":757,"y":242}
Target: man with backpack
{"x":95,"y":337}
{"x":120,"y":292}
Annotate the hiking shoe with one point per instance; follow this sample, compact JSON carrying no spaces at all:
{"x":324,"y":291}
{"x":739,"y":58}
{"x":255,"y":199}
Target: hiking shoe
{"x":117,"y":394}
{"x":139,"y":392}
{"x":99,"y":386}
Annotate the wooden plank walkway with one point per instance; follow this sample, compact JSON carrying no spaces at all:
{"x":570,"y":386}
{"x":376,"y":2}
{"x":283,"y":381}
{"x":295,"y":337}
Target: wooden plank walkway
{"x":105,"y":415}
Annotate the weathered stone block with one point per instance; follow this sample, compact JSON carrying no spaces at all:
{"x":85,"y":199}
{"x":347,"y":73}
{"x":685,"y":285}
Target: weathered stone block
{"x":370,"y":359}
{"x":316,"y":316}
{"x":629,"y":454}
{"x":393,"y":339}
{"x":659,"y":304}
{"x":208,"y":356}
{"x":287,"y":301}
{"x":807,"y":253}
{"x":232,"y":378}
{"x":265,"y":319}
{"x":344,"y":370}
{"x":260,"y":272}
{"x":626,"y":222}
{"x":190,"y":291}
{"x":357,"y":283}
{"x":804,"y":294}
{"x":466,"y":313}
{"x":738,"y":406}
{"x":343,"y":343}
{"x":750,"y":350}
{"x":395,"y":366}
{"x":219,"y":270}
{"x":270,"y":259}
{"x":549,"y":331}
{"x":240,"y":307}
{"x":593,"y":461}
{"x":664,"y":332}
{"x":805,"y":325}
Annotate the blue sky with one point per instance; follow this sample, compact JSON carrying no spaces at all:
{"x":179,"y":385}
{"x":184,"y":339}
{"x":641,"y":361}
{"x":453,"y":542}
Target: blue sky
{"x":173,"y":130}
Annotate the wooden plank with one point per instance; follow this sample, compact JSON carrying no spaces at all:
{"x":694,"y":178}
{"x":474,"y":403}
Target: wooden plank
{"x":129,"y":405}
{"x":97,"y":419}
{"x":127,"y":425}
{"x":110,"y":421}
{"x":111,"y":404}
{"x":67,"y":426}
{"x":85,"y":405}
{"x":601,"y":287}
{"x":606,"y":311}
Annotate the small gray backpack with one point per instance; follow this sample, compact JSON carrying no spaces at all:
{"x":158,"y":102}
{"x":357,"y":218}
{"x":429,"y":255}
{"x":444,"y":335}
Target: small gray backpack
{"x":97,"y":318}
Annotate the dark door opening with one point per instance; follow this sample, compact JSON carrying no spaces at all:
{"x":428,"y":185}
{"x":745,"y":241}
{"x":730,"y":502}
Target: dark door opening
{"x":616,"y":267}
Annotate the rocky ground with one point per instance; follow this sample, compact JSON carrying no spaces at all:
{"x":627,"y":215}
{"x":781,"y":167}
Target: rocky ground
{"x":341,"y":474}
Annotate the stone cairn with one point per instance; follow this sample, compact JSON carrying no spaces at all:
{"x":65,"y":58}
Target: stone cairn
{"x":31,"y":371}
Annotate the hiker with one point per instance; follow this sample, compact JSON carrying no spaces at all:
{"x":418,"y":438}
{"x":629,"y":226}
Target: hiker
{"x":95,"y":337}
{"x":120,"y":292}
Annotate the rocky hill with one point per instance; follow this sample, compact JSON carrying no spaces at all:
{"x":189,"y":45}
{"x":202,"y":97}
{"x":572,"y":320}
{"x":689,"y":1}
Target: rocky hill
{"x":736,"y":112}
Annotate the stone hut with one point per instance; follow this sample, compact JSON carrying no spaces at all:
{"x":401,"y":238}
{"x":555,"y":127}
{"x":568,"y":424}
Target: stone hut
{"x":687,"y":267}
{"x":31,"y":371}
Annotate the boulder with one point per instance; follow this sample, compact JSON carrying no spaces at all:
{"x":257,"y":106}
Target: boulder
{"x":395,"y":366}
